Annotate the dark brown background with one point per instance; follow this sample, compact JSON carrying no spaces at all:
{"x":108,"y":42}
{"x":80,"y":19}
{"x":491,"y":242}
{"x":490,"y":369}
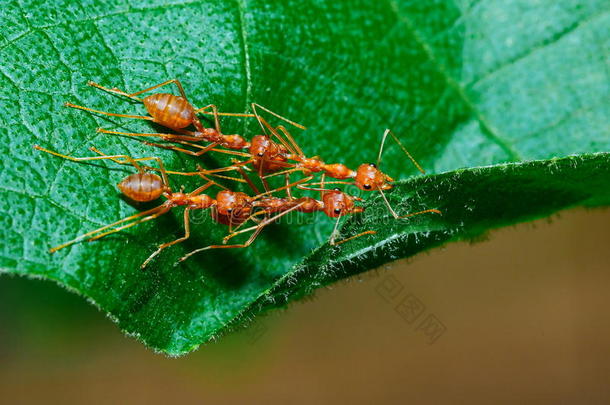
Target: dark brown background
{"x":526,"y":317}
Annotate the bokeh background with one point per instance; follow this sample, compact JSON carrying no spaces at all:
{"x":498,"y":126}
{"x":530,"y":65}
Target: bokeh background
{"x":524,"y":316}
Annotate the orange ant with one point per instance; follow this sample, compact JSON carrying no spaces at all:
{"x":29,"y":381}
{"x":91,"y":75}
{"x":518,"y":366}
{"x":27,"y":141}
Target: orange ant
{"x":333,"y":203}
{"x":366,"y":177}
{"x":228,"y":208}
{"x":176,"y":113}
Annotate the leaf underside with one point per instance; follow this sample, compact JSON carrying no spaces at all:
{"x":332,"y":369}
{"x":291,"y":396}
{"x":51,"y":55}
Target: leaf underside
{"x":506,"y":105}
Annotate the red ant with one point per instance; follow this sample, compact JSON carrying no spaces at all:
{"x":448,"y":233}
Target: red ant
{"x":334,"y":203}
{"x":366,"y":177}
{"x":229,"y":208}
{"x":176,"y":113}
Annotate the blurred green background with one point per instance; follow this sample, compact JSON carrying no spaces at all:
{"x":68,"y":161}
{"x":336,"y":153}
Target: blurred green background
{"x":524,"y":312}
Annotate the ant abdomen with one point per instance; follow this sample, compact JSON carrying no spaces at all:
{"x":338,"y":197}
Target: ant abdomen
{"x":142,"y":187}
{"x":169,"y":110}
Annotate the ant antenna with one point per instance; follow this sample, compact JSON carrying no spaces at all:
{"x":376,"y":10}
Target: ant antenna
{"x":385,"y":135}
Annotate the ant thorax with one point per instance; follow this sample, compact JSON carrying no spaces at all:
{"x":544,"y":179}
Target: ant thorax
{"x":271,"y":204}
{"x":309,"y":205}
{"x":201,"y":201}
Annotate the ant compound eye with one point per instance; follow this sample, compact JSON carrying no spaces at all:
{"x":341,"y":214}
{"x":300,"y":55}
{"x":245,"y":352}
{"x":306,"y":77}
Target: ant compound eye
{"x":337,"y":211}
{"x":230,"y":210}
{"x":372,"y":165}
{"x":260,"y":154}
{"x":366,"y":186}
{"x":337,"y":189}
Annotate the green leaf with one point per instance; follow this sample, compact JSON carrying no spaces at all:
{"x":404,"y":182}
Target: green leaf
{"x":468,"y":86}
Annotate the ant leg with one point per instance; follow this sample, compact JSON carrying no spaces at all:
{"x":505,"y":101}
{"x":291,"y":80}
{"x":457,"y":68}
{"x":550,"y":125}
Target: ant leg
{"x":216,"y":119}
{"x":288,"y":188}
{"x":289,"y":171}
{"x":160,"y":208}
{"x":187,"y":234}
{"x":158,"y":169}
{"x":264,"y":124}
{"x":201,"y":189}
{"x":353,"y":237}
{"x":175,"y":81}
{"x":139,"y":117}
{"x":326,"y":182}
{"x":248,"y":180}
{"x":262,"y":223}
{"x":201,"y":152}
{"x":212,"y":172}
{"x":334,"y":232}
{"x":290,"y":138}
{"x":128,"y":159}
{"x":261,"y":166}
{"x":396,"y":216}
{"x":333,"y":235}
{"x":165,"y":208}
{"x":387,"y":203}
{"x":322,"y":187}
{"x":243,"y":245}
{"x":254,"y":105}
{"x":133,"y":95}
{"x":222,"y":114}
{"x":385,"y":135}
{"x":202,"y":149}
{"x":113,"y":90}
{"x":217,"y":114}
{"x":434,"y":211}
{"x":165,"y":137}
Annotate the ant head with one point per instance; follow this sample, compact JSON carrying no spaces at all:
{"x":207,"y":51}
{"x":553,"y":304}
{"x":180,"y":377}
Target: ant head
{"x":369,"y":177}
{"x":267,"y":154}
{"x":337,"y":203}
{"x":259,"y":145}
{"x":230,"y":202}
{"x":232,"y":207}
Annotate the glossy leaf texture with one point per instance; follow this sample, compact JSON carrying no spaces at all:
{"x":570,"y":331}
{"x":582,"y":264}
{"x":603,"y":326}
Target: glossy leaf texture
{"x":490,"y":96}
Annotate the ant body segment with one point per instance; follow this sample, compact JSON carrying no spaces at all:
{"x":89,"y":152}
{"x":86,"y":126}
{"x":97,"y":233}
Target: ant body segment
{"x":175,"y":113}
